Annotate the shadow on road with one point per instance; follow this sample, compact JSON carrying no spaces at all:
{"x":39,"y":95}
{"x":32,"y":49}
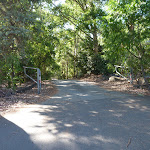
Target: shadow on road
{"x":87,"y":125}
{"x":85,"y":117}
{"x":108,"y":121}
{"x":13,"y":137}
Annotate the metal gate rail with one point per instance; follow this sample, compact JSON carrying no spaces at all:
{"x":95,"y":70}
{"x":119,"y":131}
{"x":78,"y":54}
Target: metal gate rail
{"x":38,"y":77}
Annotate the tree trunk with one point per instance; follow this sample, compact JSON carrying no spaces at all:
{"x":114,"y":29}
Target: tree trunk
{"x":75,"y":56}
{"x":67,"y":70}
{"x":143,"y":74}
{"x":95,"y":40}
{"x":12,"y":76}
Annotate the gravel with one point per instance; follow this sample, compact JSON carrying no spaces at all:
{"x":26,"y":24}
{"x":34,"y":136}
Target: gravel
{"x":8,"y":102}
{"x":121,"y":86}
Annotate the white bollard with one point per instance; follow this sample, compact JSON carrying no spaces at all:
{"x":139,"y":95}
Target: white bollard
{"x":39,"y":80}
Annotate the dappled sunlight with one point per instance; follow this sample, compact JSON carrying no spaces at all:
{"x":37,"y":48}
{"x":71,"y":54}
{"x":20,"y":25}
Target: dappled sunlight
{"x":81,"y":119}
{"x":105,"y":139}
{"x":96,"y":92}
{"x":68,"y":125}
{"x":117,"y":115}
{"x":56,"y":97}
{"x":68,"y":96}
{"x":56,"y":126}
{"x":80,"y":123}
{"x":94,"y":112}
{"x":13,"y":137}
{"x":66,"y":136}
{"x":82,"y":94}
{"x":111,"y":110}
{"x":64,"y":85}
{"x":43,"y":137}
{"x":30,"y":118}
{"x":49,"y":124}
{"x":135,"y":104}
{"x":74,"y":141}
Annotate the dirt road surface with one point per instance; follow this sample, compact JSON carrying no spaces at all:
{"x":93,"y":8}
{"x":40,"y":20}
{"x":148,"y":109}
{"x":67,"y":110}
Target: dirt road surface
{"x":81,"y":116}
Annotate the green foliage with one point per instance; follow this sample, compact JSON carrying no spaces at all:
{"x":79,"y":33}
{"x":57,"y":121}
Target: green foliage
{"x":94,"y":64}
{"x":84,"y":62}
{"x":126,"y":34}
{"x":40,"y":49}
{"x":74,"y":38}
{"x":25,"y":41}
{"x":13,"y":35}
{"x":11,"y":70}
{"x":99,"y":65}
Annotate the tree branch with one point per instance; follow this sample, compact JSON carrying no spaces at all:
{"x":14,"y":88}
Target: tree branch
{"x":2,"y":11}
{"x":72,"y":22}
{"x":80,"y":4}
{"x":132,"y":54}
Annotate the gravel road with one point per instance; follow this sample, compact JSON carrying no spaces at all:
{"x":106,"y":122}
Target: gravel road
{"x":81,"y":116}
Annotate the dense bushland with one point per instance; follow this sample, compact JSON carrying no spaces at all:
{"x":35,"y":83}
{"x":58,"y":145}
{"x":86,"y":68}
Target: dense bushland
{"x":73,"y":38}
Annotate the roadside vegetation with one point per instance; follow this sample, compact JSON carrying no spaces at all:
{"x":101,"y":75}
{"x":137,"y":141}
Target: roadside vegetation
{"x":73,"y":39}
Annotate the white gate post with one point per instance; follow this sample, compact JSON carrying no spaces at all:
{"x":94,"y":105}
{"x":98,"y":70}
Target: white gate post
{"x":39,"y":80}
{"x":38,"y":77}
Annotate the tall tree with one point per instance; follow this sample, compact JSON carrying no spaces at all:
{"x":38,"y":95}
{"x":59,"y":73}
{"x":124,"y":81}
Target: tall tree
{"x":86,"y":17}
{"x":127,"y":33}
{"x":16,"y":16}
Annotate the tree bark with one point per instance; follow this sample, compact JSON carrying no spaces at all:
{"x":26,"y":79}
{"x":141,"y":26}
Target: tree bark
{"x":143,"y":73}
{"x":67,"y":69}
{"x":95,"y":40}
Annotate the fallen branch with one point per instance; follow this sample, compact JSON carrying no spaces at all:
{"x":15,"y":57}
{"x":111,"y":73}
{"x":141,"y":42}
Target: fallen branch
{"x":129,"y":142}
